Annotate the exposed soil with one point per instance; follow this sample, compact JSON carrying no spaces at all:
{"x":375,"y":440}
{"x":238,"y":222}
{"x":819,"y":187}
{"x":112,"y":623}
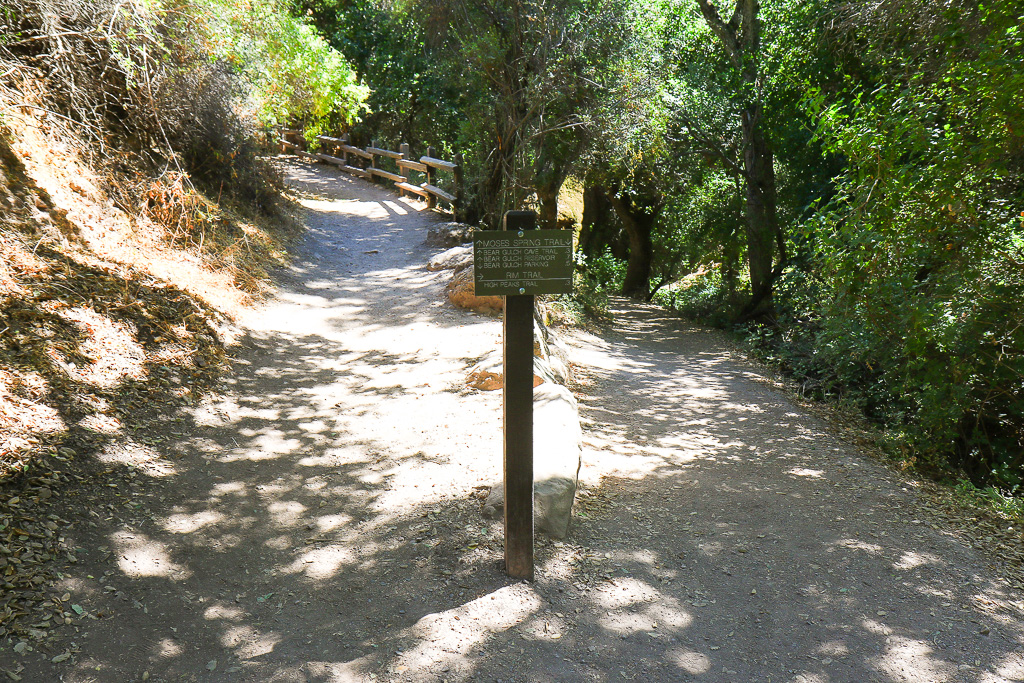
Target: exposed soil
{"x":319,"y":518}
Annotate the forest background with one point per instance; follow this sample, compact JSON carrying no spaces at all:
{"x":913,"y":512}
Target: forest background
{"x":838,"y":182}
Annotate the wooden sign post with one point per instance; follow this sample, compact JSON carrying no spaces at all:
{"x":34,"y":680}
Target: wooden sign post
{"x":517,"y":263}
{"x":517,"y":409}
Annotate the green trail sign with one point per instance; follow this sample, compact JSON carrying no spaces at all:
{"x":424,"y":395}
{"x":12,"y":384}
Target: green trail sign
{"x":513,"y":262}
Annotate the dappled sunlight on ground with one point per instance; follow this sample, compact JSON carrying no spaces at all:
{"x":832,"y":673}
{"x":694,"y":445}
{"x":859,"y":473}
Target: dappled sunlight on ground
{"x":910,"y":661}
{"x":447,"y":637}
{"x":795,"y":558}
{"x":319,"y":520}
{"x":141,"y":556}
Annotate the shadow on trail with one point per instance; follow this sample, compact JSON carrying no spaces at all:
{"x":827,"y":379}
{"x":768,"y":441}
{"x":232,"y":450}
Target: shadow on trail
{"x":309,"y":513}
{"x":777,"y":551}
{"x":318,"y":521}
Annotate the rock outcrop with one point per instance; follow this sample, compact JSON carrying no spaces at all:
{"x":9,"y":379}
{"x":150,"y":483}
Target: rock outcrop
{"x":451,"y":259}
{"x":461,"y":293}
{"x":450,"y":235}
{"x":557,"y":437}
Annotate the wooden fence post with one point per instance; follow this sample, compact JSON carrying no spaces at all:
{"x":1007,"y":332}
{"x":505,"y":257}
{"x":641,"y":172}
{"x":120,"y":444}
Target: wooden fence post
{"x":344,"y":152}
{"x":517,"y":413}
{"x":373,"y":160}
{"x":431,"y":199}
{"x":457,"y":208}
{"x":406,"y":153}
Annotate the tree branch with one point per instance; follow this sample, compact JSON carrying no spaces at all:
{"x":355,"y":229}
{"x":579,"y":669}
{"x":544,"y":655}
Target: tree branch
{"x":94,"y":35}
{"x":727,"y":33}
{"x":711,"y":146}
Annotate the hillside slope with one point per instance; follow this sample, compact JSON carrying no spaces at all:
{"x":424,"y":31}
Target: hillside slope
{"x":106,"y":321}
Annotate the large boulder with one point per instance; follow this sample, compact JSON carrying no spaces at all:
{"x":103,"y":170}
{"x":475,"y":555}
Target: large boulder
{"x":558,"y":360}
{"x":451,"y":259}
{"x":461,"y":293}
{"x":488,"y":374}
{"x":553,"y":351}
{"x":557,"y":449}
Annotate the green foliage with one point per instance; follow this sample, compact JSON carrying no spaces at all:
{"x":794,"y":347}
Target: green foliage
{"x":291,"y":72}
{"x":920,"y":257}
{"x":1010,"y":507}
{"x":899,"y":155}
{"x":515,"y":87}
{"x":595,"y":280}
{"x":176,"y":89}
{"x":703,"y":224}
{"x":539,"y":70}
{"x":709,"y":96}
{"x":699,"y":296}
{"x":399,"y":48}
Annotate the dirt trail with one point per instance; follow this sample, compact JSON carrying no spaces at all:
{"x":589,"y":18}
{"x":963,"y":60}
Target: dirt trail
{"x":766,"y":548}
{"x":318,"y":520}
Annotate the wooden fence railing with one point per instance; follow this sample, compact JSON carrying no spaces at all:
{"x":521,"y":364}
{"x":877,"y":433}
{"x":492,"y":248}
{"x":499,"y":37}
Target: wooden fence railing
{"x":366,"y":163}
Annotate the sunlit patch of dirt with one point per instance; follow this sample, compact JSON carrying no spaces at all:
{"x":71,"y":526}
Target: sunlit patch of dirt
{"x":23,"y":412}
{"x":111,"y":346}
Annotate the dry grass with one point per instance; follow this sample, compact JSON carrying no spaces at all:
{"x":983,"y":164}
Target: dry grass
{"x":179,"y":235}
{"x":102,"y":311}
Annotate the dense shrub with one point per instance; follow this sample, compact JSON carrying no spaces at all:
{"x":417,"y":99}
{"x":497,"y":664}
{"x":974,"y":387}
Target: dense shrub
{"x":597,"y":279}
{"x":919,"y":259}
{"x":176,"y":87}
{"x":289,"y":71}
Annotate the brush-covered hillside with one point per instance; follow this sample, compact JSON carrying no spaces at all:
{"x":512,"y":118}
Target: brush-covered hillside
{"x":139,"y":212}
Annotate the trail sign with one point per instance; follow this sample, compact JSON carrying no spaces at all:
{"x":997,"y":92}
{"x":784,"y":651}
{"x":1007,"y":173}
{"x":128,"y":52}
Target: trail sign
{"x":516,"y":262}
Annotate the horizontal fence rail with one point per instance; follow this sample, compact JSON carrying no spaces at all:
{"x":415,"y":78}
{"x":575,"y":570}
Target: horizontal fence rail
{"x":365,"y":163}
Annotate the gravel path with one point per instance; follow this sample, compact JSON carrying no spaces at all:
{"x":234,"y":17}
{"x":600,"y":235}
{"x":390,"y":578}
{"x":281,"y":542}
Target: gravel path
{"x":319,"y":521}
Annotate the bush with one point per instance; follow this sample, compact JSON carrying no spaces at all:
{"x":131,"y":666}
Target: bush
{"x":920,"y":256}
{"x":595,"y":280}
{"x":290,"y":73}
{"x":179,"y":87}
{"x":698,"y":296}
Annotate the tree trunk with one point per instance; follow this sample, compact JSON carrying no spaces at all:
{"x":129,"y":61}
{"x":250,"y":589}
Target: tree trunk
{"x":762,"y":221}
{"x":740,"y":37}
{"x":638,"y":222}
{"x":498,"y":171}
{"x":548,"y":176}
{"x":596,"y":232}
{"x":547,"y":183}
